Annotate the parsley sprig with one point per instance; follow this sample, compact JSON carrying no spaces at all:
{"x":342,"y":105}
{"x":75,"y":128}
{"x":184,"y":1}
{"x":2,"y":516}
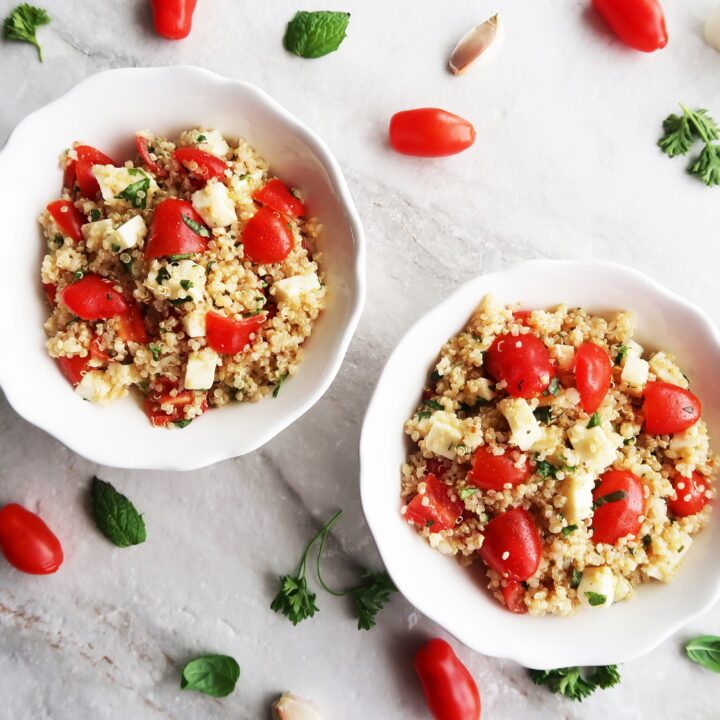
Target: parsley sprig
{"x":571,"y":682}
{"x":22,"y":24}
{"x":681,"y":134}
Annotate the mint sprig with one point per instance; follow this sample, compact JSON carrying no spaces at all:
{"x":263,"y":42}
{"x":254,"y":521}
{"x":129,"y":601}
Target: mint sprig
{"x":314,"y":34}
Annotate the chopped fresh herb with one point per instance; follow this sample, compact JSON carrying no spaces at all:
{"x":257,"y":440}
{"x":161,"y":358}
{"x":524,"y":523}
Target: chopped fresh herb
{"x":136,"y":193}
{"x":162,"y":275}
{"x":553,"y":388}
{"x":127,"y":264}
{"x":22,"y":24}
{"x":622,"y":352}
{"x":279,"y":385}
{"x":314,"y":34}
{"x":115,"y":247}
{"x":647,"y":541}
{"x":201,"y":139}
{"x":576,"y":578}
{"x":214,"y":675}
{"x":596,"y":599}
{"x":435,"y":376}
{"x":705,"y":650}
{"x":434,"y":404}
{"x":195,"y":226}
{"x":570,"y":682}
{"x":609,"y":498}
{"x":186,"y":284}
{"x":423,"y":415}
{"x":595,"y":421}
{"x":543,"y":413}
{"x":155,"y":350}
{"x":181,"y":423}
{"x":95,"y":215}
{"x":209,"y":266}
{"x":175,"y":258}
{"x":429,"y":523}
{"x":59,"y":240}
{"x":78,"y":275}
{"x":115,"y":516}
{"x":467,"y":492}
{"x":629,"y":441}
{"x":569,"y":530}
{"x":545,"y":469}
{"x":180,"y":301}
{"x":144,"y":385}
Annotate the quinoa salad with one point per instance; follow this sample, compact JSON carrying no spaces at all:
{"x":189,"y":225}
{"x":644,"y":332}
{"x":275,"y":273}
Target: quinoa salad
{"x":561,"y":455}
{"x":190,"y":273}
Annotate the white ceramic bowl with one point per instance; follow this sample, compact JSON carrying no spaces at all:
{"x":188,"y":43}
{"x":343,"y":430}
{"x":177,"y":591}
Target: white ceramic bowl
{"x":456,"y":598}
{"x":115,"y":104}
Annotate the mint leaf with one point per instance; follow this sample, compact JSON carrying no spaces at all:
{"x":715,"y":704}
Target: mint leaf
{"x":214,"y":675}
{"x":705,"y":650}
{"x":115,"y":516}
{"x":314,"y":34}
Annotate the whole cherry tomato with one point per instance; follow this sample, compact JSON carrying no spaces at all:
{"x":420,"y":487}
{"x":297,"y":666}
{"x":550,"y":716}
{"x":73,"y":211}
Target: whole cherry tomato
{"x":68,"y":218}
{"x":593,"y":371}
{"x":440,"y":512}
{"x":430,"y":132}
{"x":200,"y":164}
{"x":449,"y":689}
{"x":522,"y":361}
{"x":27,"y":542}
{"x":514,"y":596}
{"x":176,"y":229}
{"x":228,"y":336}
{"x":493,"y":472}
{"x":638,"y":23}
{"x":512,"y":545}
{"x":619,"y":502}
{"x":141,"y":143}
{"x":669,"y":408}
{"x":94,"y":298}
{"x":690,"y":497}
{"x":73,"y":368}
{"x":276,"y":196}
{"x":173,"y":18}
{"x":266,"y":237}
{"x":79,"y":172}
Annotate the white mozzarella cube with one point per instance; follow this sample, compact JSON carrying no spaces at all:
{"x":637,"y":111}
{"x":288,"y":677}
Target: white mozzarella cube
{"x":483,"y":388}
{"x":120,"y":374}
{"x":592,"y":446}
{"x":444,"y":436}
{"x":94,"y":233}
{"x":214,"y":143}
{"x":597,"y":587}
{"x":666,"y":370}
{"x":668,"y":553}
{"x":95,"y":387}
{"x":130,"y":234}
{"x":635,"y":371}
{"x":113,"y":180}
{"x":633,"y":348}
{"x":214,"y":205}
{"x":194,"y":322}
{"x":578,"y":489}
{"x":292,"y":289}
{"x":200,"y":370}
{"x":524,"y":427}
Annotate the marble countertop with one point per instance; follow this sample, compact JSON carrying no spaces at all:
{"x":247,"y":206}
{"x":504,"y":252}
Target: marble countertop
{"x":564,"y":166}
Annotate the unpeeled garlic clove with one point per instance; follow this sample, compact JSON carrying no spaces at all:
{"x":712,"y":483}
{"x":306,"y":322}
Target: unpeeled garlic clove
{"x":475,"y":44}
{"x":293,"y":707}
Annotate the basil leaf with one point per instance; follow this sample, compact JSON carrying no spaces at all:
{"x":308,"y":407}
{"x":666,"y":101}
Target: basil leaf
{"x":705,"y":650}
{"x":136,"y":193}
{"x":314,"y":34}
{"x":196,"y":227}
{"x":276,"y":391}
{"x":115,"y":516}
{"x":596,"y":599}
{"x":609,"y":498}
{"x":434,"y":404}
{"x":543,"y":413}
{"x":214,"y":675}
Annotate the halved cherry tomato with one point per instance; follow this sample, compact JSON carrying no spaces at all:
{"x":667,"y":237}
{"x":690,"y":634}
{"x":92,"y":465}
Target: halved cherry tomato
{"x":97,"y":352}
{"x":160,"y":394}
{"x":593,"y":371}
{"x":27,"y":543}
{"x":176,"y":229}
{"x":492,"y":472}
{"x":228,"y":336}
{"x":440,"y":513}
{"x":153,"y":166}
{"x":276,"y":196}
{"x":173,"y":18}
{"x":131,"y":325}
{"x":87,"y":156}
{"x":669,"y":408}
{"x":449,"y":689}
{"x":200,"y":164}
{"x":512,"y":545}
{"x":514,"y":596}
{"x":430,"y":132}
{"x":690,"y":497}
{"x":522,"y":361}
{"x":50,"y":292}
{"x":266,"y":237}
{"x":68,"y":218}
{"x":73,"y":368}
{"x":638,"y":23}
{"x":93,"y":298}
{"x":619,"y":502}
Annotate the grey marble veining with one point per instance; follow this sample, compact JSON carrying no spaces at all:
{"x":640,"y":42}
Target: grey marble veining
{"x":564,"y":166}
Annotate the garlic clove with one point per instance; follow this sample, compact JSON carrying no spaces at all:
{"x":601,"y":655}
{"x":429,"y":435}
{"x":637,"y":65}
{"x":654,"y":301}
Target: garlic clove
{"x":293,"y":707}
{"x":712,"y":29}
{"x":475,"y":44}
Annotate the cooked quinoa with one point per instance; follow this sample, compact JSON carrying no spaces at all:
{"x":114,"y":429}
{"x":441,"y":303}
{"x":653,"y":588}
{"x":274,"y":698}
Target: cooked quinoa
{"x":169,"y":358}
{"x":466,"y":411}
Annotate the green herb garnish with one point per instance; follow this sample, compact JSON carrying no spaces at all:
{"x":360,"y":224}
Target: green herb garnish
{"x":609,"y":498}
{"x":175,"y":258}
{"x":195,"y":226}
{"x":22,"y":24}
{"x":543,"y":413}
{"x":180,"y":301}
{"x":181,"y":423}
{"x":115,"y":516}
{"x":95,"y":215}
{"x":186,"y":284}
{"x":569,"y":530}
{"x":434,"y":404}
{"x":115,"y":247}
{"x":622,"y":352}
{"x":136,"y":193}
{"x":314,"y":34}
{"x":596,"y":599}
{"x":575,"y":579}
{"x":629,"y":441}
{"x":595,"y":421}
{"x":279,"y":385}
{"x":705,"y":650}
{"x":553,"y":388}
{"x":570,"y":682}
{"x":214,"y":675}
{"x":423,"y":415}
{"x":545,"y":469}
{"x":155,"y":350}
{"x":201,"y":139}
{"x":467,"y":492}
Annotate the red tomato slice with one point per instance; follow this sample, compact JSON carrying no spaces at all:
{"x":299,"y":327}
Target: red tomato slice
{"x":266,"y":237}
{"x":141,"y":143}
{"x":512,"y":545}
{"x":669,"y":408}
{"x":619,"y":503}
{"x":440,"y":513}
{"x":228,"y":336}
{"x":276,"y":196}
{"x":73,"y":368}
{"x":132,"y":326}
{"x":514,"y":596}
{"x":87,"y":156}
{"x":93,"y":298}
{"x":50,"y":292}
{"x":522,"y":361}
{"x":492,"y":472}
{"x":593,"y":371}
{"x":159,"y":395}
{"x":176,"y":229}
{"x":27,"y":543}
{"x":430,"y":132}
{"x":200,"y":164}
{"x":68,"y":218}
{"x":638,"y":23}
{"x":690,"y":497}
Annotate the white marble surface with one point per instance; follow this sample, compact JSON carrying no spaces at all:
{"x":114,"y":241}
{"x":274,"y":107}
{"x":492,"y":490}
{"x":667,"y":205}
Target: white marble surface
{"x":564,"y":166}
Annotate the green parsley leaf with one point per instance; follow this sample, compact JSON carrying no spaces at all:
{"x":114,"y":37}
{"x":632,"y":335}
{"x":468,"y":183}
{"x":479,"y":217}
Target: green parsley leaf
{"x":679,"y":136}
{"x":195,"y":226}
{"x":276,"y":391}
{"x":571,"y":683}
{"x":595,"y":421}
{"x":609,"y":498}
{"x":214,"y":675}
{"x":596,"y":599}
{"x":467,"y":492}
{"x":22,"y":24}
{"x":622,"y":352}
{"x":543,"y":413}
{"x":136,"y":193}
{"x":371,"y":597}
{"x":115,"y":516}
{"x":314,"y":34}
{"x":705,"y":650}
{"x":606,"y":676}
{"x":707,"y":165}
{"x":434,"y":404}
{"x":569,"y":530}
